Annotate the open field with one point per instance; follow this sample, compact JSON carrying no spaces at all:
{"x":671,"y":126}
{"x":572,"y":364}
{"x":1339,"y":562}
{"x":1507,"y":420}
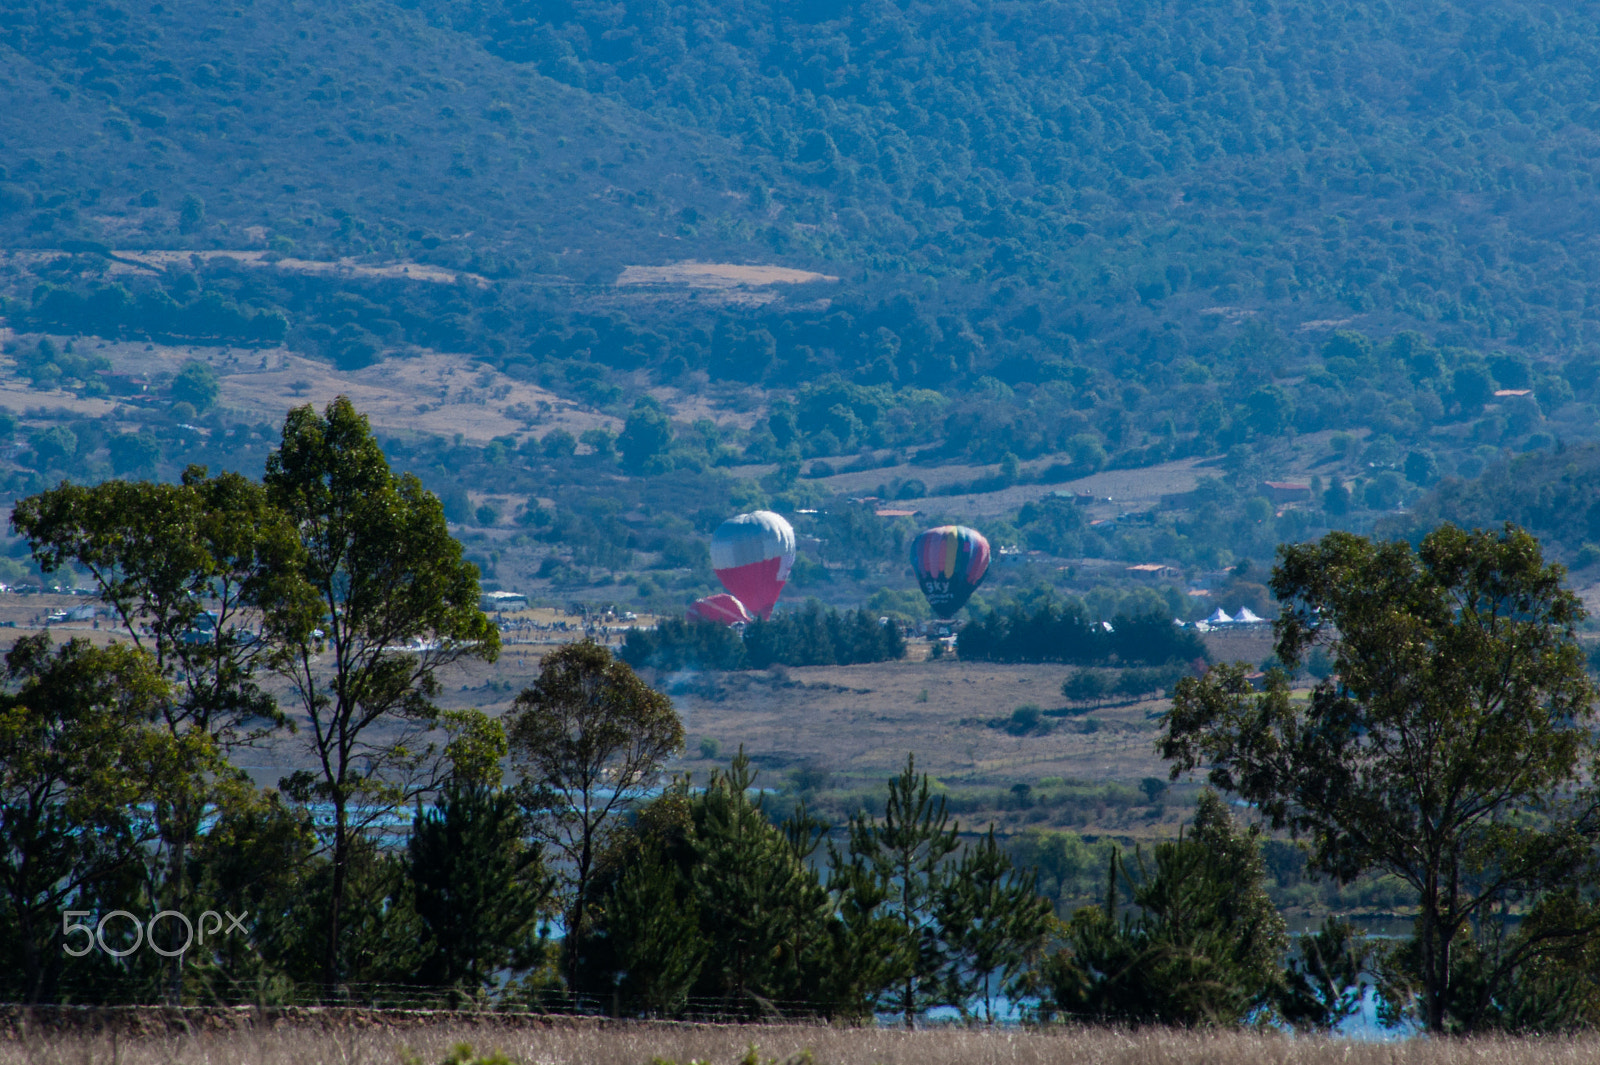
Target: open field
{"x":642,"y":1043}
{"x":424,"y":391}
{"x":861,"y":721}
{"x":854,"y":724}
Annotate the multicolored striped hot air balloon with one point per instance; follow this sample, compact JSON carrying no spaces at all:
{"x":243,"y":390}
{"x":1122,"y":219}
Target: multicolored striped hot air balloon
{"x":950,"y":562}
{"x":752,"y":554}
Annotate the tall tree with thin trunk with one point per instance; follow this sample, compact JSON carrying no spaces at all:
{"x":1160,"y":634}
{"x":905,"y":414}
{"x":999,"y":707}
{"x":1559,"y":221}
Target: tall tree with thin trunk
{"x":588,"y":737}
{"x":395,"y":602}
{"x":994,"y":923}
{"x":907,"y":853}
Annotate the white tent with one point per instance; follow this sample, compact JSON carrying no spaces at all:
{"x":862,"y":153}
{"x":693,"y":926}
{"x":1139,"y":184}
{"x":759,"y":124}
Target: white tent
{"x":1220,"y":617}
{"x":1247,"y":618}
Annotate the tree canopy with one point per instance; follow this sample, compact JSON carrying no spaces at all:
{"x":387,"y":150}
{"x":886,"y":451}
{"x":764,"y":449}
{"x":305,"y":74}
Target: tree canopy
{"x":1450,"y":747}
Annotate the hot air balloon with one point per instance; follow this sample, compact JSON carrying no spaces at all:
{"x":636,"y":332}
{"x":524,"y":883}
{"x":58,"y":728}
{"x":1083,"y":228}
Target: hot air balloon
{"x":721,"y":609}
{"x":950,"y":562}
{"x":752,"y":554}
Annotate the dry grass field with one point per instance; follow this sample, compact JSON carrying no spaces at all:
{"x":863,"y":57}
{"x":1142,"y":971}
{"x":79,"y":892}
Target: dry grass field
{"x":641,"y":1044}
{"x":861,"y":721}
{"x":422,"y":391}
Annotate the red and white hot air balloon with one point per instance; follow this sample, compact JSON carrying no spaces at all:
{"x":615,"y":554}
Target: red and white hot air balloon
{"x":752,"y":554}
{"x":719,"y":609}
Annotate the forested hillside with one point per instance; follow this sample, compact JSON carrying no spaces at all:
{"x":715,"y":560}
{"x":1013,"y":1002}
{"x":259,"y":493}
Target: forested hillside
{"x":1292,"y":240}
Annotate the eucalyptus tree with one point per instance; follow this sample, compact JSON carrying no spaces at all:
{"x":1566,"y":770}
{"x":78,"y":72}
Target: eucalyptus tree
{"x":379,"y":599}
{"x":77,"y":757}
{"x":1452,"y":746}
{"x":185,"y":569}
{"x":588,"y":738}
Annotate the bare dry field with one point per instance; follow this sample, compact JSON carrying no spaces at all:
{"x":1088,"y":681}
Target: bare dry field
{"x":425,"y":391}
{"x":641,"y":1044}
{"x":1117,"y":491}
{"x":741,"y":284}
{"x":429,"y":392}
{"x":153,"y":261}
{"x":692,"y":274}
{"x":861,"y":722}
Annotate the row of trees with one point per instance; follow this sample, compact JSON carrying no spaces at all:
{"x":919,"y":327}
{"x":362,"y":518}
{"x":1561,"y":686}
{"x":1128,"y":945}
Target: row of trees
{"x":1057,"y":632}
{"x":114,"y":311}
{"x":811,"y":636}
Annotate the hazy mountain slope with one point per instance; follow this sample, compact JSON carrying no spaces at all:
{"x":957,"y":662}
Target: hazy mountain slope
{"x":347,"y":127}
{"x":1123,"y":167}
{"x":1431,"y":162}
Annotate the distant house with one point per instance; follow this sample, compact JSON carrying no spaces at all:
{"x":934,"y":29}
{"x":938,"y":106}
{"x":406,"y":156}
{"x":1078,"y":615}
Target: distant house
{"x":1285,"y":491}
{"x":498,"y":601}
{"x":1155,"y":571}
{"x":1512,"y":393}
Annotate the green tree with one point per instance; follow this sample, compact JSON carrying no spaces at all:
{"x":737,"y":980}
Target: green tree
{"x":192,"y":214}
{"x":196,"y":384}
{"x":558,"y":444}
{"x":1271,"y":411}
{"x":654,"y":925}
{"x":907,"y":852}
{"x":1324,"y":983}
{"x":1450,"y":746}
{"x":185,"y":568}
{"x":867,"y":938}
{"x":994,"y":925}
{"x":1422,"y":468}
{"x":1085,"y":686}
{"x":394,"y":603}
{"x":54,"y":448}
{"x":134,"y":453}
{"x":588,"y":738}
{"x":1199,"y":947}
{"x":762,"y":907}
{"x":257,"y":857}
{"x":645,"y":438}
{"x":602,"y":441}
{"x":77,"y":758}
{"x":477,"y":886}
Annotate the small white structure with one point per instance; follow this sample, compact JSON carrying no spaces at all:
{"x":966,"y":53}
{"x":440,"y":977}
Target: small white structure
{"x":500,"y":601}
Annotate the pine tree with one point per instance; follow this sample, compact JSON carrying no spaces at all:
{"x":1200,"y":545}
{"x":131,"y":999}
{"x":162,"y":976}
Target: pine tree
{"x":993,"y":922}
{"x":477,"y":886}
{"x":907,"y":851}
{"x":1199,"y":946}
{"x":757,"y":897}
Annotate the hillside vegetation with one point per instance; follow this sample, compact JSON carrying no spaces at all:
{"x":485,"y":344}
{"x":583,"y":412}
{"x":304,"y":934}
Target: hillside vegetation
{"x":1302,"y":242}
